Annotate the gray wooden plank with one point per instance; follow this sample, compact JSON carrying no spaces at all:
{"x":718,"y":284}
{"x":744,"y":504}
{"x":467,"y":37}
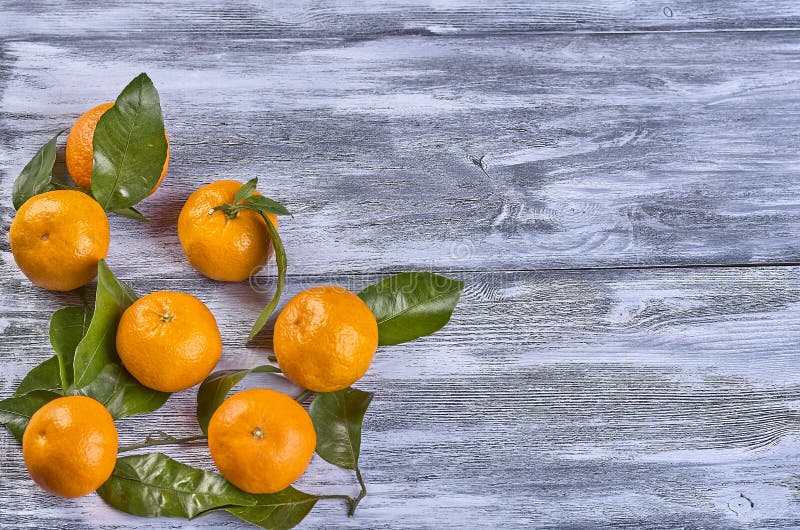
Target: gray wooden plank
{"x":654,"y":398}
{"x":599,"y":151}
{"x":657,"y":398}
{"x":270,"y":19}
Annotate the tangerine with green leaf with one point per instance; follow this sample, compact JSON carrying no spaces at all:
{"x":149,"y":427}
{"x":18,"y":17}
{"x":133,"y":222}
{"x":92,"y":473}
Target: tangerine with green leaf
{"x":168,"y":341}
{"x":58,"y":237}
{"x":261,"y":440}
{"x":80,"y":147}
{"x":223,"y":241}
{"x":325,"y":338}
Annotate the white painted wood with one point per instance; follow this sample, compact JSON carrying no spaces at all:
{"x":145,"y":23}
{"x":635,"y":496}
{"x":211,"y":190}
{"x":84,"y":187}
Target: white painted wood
{"x":600,"y":150}
{"x":370,"y":18}
{"x":581,"y":398}
{"x":649,"y":398}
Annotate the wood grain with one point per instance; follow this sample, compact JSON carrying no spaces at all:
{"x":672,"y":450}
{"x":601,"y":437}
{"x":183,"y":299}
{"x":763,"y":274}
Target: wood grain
{"x":587,"y":398}
{"x":599,"y":150}
{"x":375,"y":18}
{"x":583,"y":382}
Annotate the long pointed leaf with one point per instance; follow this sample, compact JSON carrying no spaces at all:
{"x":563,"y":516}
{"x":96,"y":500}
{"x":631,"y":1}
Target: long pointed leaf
{"x":67,"y":327}
{"x":337,"y":418}
{"x":277,"y":511}
{"x":15,"y":412}
{"x":43,"y":376}
{"x":98,"y":346}
{"x":280,"y":259}
{"x":155,"y":485}
{"x":35,"y":177}
{"x":130,"y":147}
{"x":215,"y":388}
{"x":121,"y":394}
{"x":246,"y":190}
{"x":410,"y":305}
{"x":260,"y":203}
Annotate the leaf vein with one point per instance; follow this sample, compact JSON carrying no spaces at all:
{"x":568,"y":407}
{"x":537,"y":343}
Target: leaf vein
{"x":118,"y":171}
{"x":411,"y":307}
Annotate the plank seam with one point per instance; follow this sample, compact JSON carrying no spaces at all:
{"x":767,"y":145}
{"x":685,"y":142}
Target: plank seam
{"x":788,"y":264}
{"x":304,"y":36}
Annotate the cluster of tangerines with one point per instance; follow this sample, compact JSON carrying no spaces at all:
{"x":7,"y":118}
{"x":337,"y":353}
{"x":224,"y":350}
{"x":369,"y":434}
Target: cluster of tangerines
{"x":261,"y":440}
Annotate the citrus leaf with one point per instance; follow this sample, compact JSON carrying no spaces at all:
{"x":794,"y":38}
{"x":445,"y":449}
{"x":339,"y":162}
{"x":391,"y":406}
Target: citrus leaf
{"x":44,"y":376}
{"x":246,"y":190}
{"x":122,"y":394}
{"x":280,"y":259}
{"x":215,"y":388}
{"x":260,"y":203}
{"x":337,"y":418}
{"x":67,"y":327}
{"x":131,"y":213}
{"x":98,"y":346}
{"x":15,"y":412}
{"x":155,"y":485}
{"x":35,"y":177}
{"x":410,"y":305}
{"x":277,"y":511}
{"x":130,"y":147}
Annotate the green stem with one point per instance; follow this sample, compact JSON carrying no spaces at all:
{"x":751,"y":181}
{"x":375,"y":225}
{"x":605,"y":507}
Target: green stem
{"x":336,"y":497}
{"x":164,"y":439}
{"x":304,"y":396}
{"x":354,"y":502}
{"x":272,"y":358}
{"x":229,"y":210}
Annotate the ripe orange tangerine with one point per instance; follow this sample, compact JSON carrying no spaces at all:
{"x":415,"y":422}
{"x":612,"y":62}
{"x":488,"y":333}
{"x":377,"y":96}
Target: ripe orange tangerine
{"x":168,"y":341}
{"x":70,"y":446}
{"x":261,"y":440}
{"x":228,"y":249}
{"x":57,"y":238}
{"x":325,"y":338}
{"x":80,"y":147}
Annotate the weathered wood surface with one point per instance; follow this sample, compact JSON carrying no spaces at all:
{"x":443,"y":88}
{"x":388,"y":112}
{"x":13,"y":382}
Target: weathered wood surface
{"x":579,"y":398}
{"x":328,"y":18}
{"x":652,"y":397}
{"x":600,"y":150}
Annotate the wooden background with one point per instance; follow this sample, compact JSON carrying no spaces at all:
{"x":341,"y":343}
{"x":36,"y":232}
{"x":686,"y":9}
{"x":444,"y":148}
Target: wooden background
{"x":626,"y":350}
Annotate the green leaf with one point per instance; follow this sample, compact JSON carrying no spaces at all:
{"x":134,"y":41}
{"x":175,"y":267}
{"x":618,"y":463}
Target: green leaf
{"x":280,"y":259}
{"x":98,"y":346}
{"x":410,"y":305}
{"x":245,"y":191}
{"x":15,"y":412}
{"x":36,"y":175}
{"x":44,"y":376}
{"x":215,"y":388}
{"x":277,"y":511}
{"x":97,"y":369}
{"x":130,"y":147}
{"x":337,"y":418}
{"x":67,"y":327}
{"x":122,"y":394}
{"x":131,"y":213}
{"x":260,"y":203}
{"x":248,"y":198}
{"x":155,"y":485}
